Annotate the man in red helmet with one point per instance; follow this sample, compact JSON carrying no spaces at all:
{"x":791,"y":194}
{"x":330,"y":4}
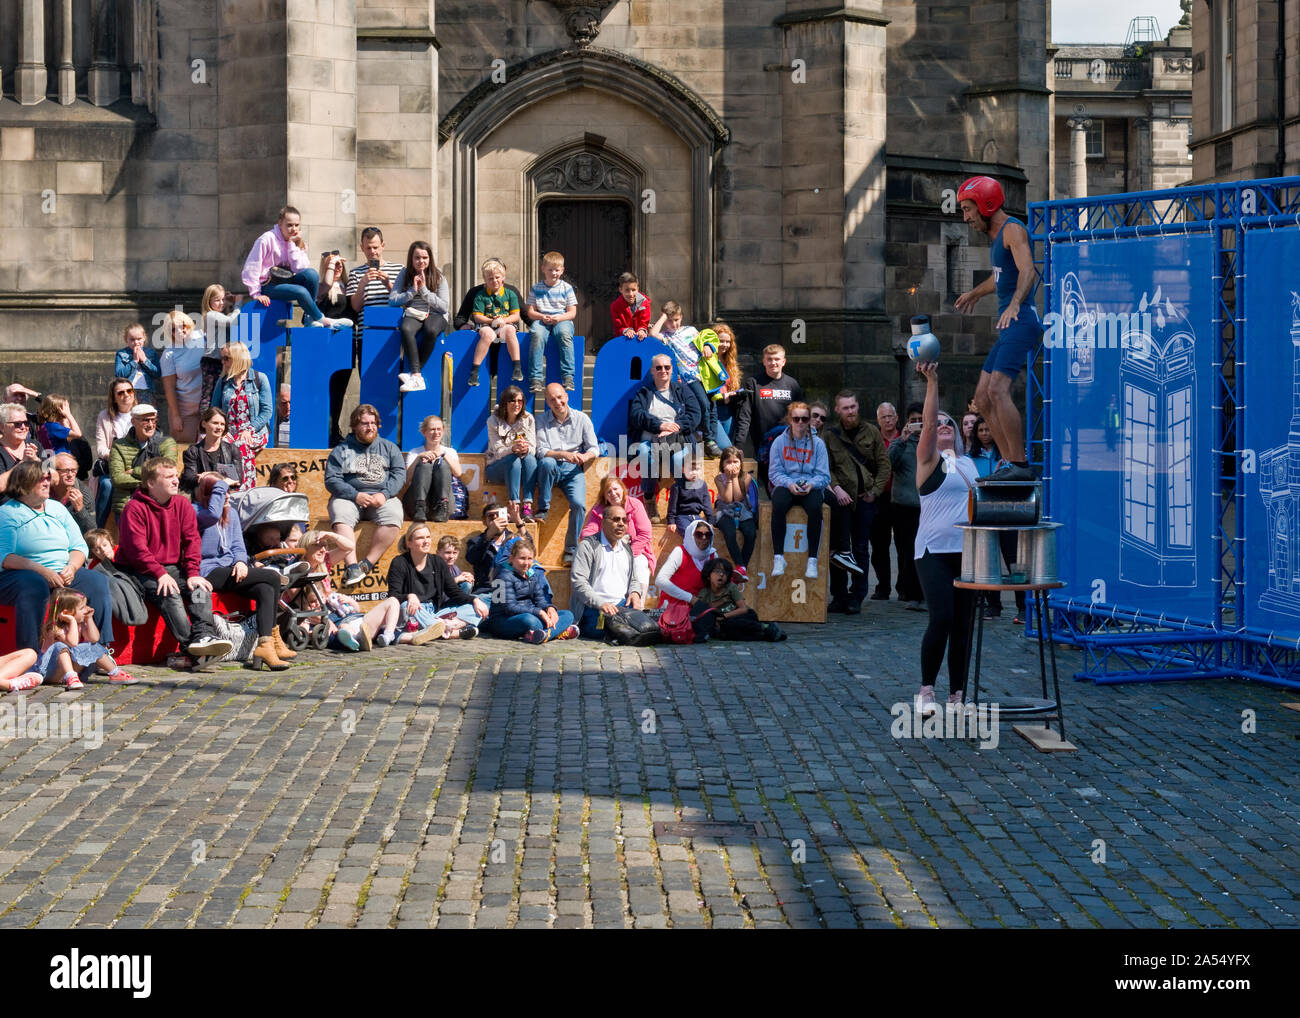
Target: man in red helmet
{"x":1019,"y":330}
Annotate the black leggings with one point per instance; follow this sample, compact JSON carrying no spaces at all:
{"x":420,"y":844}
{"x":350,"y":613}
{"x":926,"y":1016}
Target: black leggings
{"x":950,"y":617}
{"x":740,"y":554}
{"x":431,"y":484}
{"x":262,"y":586}
{"x":415,"y":350}
{"x":782,"y":500}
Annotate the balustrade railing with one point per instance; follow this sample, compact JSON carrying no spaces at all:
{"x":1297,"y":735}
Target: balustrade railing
{"x":99,"y":52}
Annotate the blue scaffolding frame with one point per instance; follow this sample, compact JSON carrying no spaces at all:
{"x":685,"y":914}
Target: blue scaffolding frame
{"x":1133,"y":644}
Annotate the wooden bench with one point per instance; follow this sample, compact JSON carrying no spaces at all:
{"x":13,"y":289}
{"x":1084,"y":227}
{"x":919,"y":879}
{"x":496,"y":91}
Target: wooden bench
{"x":780,"y":601}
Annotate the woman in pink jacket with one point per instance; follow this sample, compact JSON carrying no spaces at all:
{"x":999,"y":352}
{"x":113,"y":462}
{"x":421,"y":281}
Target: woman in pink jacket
{"x":612,"y":492}
{"x":282,"y":249}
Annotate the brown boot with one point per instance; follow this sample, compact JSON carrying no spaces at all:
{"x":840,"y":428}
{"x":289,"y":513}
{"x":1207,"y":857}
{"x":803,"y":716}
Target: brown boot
{"x":281,"y":648}
{"x":264,"y":655}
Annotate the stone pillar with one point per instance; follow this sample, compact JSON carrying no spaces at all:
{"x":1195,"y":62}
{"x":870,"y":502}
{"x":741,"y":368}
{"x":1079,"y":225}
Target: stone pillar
{"x":67,"y":72}
{"x":104,"y":81}
{"x":30,"y":81}
{"x":1079,"y":156}
{"x":321,"y":85}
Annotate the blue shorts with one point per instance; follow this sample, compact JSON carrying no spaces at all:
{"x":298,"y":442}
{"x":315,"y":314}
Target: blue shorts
{"x":1014,"y":345}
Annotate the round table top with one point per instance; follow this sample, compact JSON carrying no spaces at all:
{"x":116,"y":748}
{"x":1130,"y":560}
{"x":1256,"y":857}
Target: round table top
{"x":970,"y":585}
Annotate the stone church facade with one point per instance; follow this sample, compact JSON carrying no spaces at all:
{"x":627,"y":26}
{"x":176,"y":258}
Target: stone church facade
{"x":781,"y":164}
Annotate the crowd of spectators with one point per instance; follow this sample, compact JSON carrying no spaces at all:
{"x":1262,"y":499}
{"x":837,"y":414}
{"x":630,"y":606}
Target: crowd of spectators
{"x":178,"y":524}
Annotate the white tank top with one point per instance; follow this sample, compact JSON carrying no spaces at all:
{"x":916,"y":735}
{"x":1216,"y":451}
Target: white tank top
{"x":945,"y":507}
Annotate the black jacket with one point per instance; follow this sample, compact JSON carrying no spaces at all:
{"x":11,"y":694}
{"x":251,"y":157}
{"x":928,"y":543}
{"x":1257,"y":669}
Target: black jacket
{"x":768,"y":400}
{"x":638,"y":411}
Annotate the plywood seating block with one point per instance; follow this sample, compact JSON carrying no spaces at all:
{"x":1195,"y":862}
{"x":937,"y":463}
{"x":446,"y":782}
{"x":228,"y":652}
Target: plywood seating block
{"x":789,"y":598}
{"x":548,"y":536}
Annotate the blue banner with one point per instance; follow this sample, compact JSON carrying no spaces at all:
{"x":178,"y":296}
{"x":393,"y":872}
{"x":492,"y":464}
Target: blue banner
{"x":1131,"y":460}
{"x":1270,"y":447}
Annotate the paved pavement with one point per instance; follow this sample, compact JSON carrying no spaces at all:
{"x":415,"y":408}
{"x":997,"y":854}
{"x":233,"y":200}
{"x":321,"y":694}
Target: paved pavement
{"x":491,"y":784}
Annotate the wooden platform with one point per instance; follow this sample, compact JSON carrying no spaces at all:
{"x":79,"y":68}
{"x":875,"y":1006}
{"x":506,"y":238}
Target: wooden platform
{"x":790,"y":598}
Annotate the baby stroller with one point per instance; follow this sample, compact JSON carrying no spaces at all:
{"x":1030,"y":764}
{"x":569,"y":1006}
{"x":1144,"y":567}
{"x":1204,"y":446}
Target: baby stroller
{"x":267,"y":515}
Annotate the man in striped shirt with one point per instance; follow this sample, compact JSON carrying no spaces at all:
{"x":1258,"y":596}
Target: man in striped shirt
{"x":369,"y":284}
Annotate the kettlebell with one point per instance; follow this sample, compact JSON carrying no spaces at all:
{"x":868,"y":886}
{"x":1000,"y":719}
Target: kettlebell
{"x":924,"y":344}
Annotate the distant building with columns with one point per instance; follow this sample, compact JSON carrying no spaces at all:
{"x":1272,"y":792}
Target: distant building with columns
{"x":1121,"y":117}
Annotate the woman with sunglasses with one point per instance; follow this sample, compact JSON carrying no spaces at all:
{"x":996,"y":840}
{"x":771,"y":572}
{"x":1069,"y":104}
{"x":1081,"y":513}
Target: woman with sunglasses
{"x":820,"y":415}
{"x":799,"y":472}
{"x":16,"y":443}
{"x":512,"y":452}
{"x":944,"y":475}
{"x":680,"y":578}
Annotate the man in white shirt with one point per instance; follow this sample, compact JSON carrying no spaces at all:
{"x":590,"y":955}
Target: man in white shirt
{"x":602,"y":577}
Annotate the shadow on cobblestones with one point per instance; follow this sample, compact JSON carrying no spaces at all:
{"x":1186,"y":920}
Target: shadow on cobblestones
{"x":489,"y":784}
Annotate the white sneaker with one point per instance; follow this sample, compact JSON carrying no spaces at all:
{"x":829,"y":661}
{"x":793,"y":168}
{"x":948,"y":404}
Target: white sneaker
{"x":778,"y":565}
{"x":405,"y":379}
{"x":810,"y":570}
{"x":209,"y":646}
{"x":924,"y":701}
{"x":417,"y":380}
{"x":336,"y":323}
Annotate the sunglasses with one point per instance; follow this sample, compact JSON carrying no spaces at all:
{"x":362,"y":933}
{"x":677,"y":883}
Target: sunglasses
{"x":818,"y":417}
{"x":801,"y":418}
{"x":19,"y":425}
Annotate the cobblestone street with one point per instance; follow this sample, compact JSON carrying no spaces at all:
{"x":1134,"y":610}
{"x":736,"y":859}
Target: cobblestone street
{"x":490,"y":784}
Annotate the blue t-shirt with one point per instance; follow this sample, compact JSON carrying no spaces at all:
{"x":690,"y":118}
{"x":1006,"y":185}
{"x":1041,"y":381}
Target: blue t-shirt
{"x":185,"y":362}
{"x":47,"y":538}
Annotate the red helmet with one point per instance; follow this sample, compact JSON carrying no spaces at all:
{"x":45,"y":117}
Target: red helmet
{"x":985,"y":192}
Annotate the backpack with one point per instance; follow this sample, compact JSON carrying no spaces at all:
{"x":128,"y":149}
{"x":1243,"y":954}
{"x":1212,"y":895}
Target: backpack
{"x":633,"y":628}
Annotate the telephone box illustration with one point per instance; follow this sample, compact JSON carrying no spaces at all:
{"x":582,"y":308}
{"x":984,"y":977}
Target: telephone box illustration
{"x":1080,"y":331}
{"x":1279,"y":488}
{"x":1158,"y":387}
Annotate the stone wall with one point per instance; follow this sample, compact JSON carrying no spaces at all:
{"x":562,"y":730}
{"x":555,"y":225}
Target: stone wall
{"x":772,"y":203}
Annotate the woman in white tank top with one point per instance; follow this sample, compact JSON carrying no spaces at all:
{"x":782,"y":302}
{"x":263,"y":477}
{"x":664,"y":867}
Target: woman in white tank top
{"x":944,"y":475}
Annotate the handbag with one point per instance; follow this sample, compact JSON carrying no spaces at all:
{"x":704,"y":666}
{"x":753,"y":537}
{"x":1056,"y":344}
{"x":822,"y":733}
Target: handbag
{"x":632,"y":627}
{"x":675,"y":622}
{"x":279,"y":274}
{"x":416,"y":313}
